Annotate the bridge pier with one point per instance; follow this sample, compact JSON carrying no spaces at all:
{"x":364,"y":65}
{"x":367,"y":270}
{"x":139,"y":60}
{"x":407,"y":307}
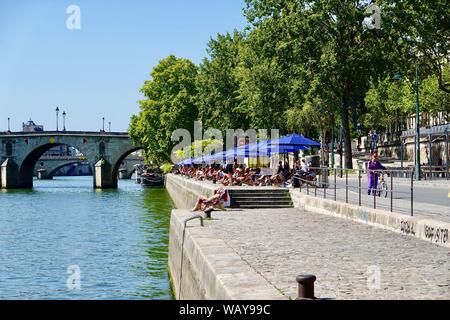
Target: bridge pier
{"x":103,"y":177}
{"x":123,"y":174}
{"x":10,"y":178}
{"x":42,"y":174}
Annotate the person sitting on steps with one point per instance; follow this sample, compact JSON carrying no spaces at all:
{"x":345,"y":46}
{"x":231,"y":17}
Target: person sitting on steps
{"x":215,"y":200}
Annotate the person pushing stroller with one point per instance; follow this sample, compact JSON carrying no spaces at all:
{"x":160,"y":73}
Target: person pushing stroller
{"x":373,"y":165}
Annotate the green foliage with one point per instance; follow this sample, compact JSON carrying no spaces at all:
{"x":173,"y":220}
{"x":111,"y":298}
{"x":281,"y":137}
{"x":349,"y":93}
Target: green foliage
{"x":433,"y":100}
{"x":169,"y":104}
{"x":218,"y":86}
{"x":166,"y":168}
{"x":389,"y":103}
{"x":199,"y":148}
{"x":303,"y":66}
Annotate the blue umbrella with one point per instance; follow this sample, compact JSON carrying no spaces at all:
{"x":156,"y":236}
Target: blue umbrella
{"x":268,"y":147}
{"x":296,"y":140}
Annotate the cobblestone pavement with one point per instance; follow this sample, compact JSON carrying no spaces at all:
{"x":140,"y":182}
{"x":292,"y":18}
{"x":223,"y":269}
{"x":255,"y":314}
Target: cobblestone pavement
{"x":351,"y":260}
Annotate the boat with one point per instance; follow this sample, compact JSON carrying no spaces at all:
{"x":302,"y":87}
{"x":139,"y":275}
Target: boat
{"x":148,"y":176}
{"x":152,"y":179}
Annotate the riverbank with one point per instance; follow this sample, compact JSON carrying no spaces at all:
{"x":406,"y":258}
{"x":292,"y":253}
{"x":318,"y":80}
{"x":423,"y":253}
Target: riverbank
{"x":271,"y":247}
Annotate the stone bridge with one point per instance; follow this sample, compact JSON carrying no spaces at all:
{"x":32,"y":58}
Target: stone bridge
{"x":47,"y":167}
{"x":20,"y":151}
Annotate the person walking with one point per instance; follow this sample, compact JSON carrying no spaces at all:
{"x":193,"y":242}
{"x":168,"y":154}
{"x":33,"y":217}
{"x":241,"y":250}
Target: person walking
{"x":373,"y":141}
{"x":374,"y":164}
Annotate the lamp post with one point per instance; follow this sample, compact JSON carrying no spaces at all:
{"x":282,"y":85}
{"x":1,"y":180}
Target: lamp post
{"x":417,"y":147}
{"x":109,"y":124}
{"x":332,"y":141}
{"x":57,"y":112}
{"x":64,"y":120}
{"x":103,"y":127}
{"x":9,"y":124}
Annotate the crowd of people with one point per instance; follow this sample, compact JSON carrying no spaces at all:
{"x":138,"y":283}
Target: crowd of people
{"x":234,"y":174}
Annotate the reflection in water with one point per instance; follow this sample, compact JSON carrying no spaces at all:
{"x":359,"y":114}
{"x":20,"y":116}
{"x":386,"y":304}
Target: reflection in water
{"x":118,"y":238}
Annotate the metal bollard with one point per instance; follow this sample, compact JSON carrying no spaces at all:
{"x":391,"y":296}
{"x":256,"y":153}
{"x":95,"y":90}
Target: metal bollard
{"x":306,"y":286}
{"x":208,"y":212}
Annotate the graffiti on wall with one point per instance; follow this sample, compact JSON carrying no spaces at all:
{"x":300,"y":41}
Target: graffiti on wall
{"x":436,"y":235}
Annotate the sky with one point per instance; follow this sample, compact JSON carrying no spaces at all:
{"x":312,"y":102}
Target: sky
{"x":97,"y":70}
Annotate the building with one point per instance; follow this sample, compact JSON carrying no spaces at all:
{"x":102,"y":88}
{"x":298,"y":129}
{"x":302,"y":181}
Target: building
{"x":30,"y":126}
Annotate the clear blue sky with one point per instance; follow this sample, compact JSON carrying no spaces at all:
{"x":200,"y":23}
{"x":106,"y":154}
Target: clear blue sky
{"x":97,"y":71}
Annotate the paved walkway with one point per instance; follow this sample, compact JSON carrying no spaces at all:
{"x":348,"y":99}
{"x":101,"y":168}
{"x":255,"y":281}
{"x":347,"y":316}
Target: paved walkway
{"x":351,"y":260}
{"x":401,"y":203}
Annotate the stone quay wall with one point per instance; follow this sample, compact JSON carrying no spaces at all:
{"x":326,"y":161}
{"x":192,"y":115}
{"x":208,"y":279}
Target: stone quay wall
{"x":201,"y":265}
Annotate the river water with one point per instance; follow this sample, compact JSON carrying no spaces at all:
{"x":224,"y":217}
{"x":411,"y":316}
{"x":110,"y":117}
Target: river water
{"x":64,"y":240}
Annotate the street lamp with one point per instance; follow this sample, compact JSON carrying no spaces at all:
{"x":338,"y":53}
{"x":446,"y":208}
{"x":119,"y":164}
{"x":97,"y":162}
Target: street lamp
{"x":103,"y":119}
{"x":9,"y":124}
{"x":57,"y":112}
{"x":418,"y":173}
{"x":64,"y":120}
{"x":109,"y":123}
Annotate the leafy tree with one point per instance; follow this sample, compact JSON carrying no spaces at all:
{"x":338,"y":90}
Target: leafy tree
{"x":217,"y":97}
{"x":389,"y":104}
{"x":169,"y":104}
{"x":325,"y":46}
{"x":203,"y":147}
{"x":433,"y":100}
{"x":422,"y":34}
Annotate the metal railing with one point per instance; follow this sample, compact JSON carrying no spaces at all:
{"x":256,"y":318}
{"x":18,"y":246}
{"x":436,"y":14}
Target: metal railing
{"x":354,"y":187}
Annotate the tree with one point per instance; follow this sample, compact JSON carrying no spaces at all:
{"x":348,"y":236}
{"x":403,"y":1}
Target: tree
{"x":218,"y":86}
{"x":423,"y":34}
{"x":433,"y":99}
{"x":325,"y":45}
{"x":169,"y":104}
{"x":389,"y":104}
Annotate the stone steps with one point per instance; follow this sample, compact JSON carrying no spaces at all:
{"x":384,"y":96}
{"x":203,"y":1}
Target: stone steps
{"x":260,"y":206}
{"x":260,"y":198}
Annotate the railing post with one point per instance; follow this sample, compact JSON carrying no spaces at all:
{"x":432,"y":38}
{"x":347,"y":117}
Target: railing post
{"x":346,"y":186}
{"x":430,"y":153}
{"x":412,"y":193}
{"x":392,"y":192}
{"x":335,"y":174}
{"x":374,"y":190}
{"x":305,"y":286}
{"x":359,"y":184}
{"x":447,"y":154}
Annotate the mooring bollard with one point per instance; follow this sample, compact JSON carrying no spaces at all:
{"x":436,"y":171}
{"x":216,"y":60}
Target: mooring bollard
{"x":306,"y":286}
{"x":208,"y":212}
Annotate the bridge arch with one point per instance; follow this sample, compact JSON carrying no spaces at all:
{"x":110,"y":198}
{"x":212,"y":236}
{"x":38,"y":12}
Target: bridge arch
{"x":118,"y":162}
{"x":52,"y":173}
{"x":26,"y":169}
